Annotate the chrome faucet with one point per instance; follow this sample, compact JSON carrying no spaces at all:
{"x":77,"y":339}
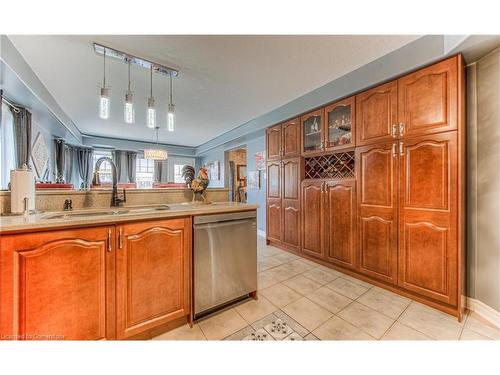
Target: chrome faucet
{"x":115,"y":201}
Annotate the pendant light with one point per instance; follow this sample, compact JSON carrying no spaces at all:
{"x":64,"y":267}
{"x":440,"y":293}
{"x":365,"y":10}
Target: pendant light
{"x":128,"y":109}
{"x":151,"y":113}
{"x":104,"y":99}
{"x":171,"y":109}
{"x":155,"y":153}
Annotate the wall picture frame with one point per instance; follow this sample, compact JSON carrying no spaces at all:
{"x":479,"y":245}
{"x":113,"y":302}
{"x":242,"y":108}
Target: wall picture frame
{"x":254,"y":180}
{"x":213,"y":169}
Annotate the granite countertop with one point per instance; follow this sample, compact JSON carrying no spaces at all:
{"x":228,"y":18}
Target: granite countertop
{"x":112,"y":215}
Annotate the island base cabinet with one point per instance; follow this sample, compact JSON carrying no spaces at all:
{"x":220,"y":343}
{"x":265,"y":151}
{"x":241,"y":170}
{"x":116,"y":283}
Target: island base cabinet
{"x":58,"y":285}
{"x":153,"y":274}
{"x":106,"y":282}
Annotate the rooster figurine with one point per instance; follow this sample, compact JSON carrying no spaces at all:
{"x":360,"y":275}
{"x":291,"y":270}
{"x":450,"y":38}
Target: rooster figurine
{"x":197,"y":185}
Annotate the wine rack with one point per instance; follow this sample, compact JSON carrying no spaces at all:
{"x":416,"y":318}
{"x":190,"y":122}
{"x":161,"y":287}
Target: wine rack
{"x":336,"y":166}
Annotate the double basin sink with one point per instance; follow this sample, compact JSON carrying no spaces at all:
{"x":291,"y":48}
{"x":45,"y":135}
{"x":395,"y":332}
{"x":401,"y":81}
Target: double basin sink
{"x":112,"y":211}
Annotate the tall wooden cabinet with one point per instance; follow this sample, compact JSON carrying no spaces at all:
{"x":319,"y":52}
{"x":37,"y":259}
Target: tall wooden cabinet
{"x":398,"y":218}
{"x":283,"y":184}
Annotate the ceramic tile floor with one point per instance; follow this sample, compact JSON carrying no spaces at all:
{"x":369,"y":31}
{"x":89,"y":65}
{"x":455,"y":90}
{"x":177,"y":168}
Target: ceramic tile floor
{"x":301,"y":300}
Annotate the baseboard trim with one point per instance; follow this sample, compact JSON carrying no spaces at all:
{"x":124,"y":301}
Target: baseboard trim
{"x":486,"y":312}
{"x":261,"y":233}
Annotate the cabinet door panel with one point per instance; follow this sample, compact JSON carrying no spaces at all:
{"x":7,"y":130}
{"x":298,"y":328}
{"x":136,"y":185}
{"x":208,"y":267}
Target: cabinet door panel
{"x":428,"y":245}
{"x":274,"y":212}
{"x":291,"y":138}
{"x":377,"y":114}
{"x":273,"y":140}
{"x":291,"y":223}
{"x":58,"y":285}
{"x":341,"y":223}
{"x":377,"y":211}
{"x":274,"y":179}
{"x":340,"y":124}
{"x":312,"y":130}
{"x":428,"y":99}
{"x":153,"y":274}
{"x":291,"y":179}
{"x":313,"y":219}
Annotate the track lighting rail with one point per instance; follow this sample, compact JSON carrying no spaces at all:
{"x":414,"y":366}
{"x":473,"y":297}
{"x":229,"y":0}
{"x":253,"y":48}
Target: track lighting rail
{"x":134,"y":60}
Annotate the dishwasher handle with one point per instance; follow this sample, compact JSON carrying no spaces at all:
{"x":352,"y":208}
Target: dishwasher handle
{"x":217,"y":218}
{"x":221,"y":224}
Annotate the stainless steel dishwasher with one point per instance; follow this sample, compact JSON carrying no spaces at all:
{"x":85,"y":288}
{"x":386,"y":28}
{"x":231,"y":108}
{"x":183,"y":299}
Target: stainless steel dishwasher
{"x":225,"y":259}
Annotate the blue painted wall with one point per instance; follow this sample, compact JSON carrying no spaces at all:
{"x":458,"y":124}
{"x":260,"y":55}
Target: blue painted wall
{"x":257,"y":196}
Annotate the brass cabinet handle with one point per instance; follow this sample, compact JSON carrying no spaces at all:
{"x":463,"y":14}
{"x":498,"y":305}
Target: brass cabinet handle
{"x":393,"y":150}
{"x":401,"y":128}
{"x":401,"y":151}
{"x":109,"y":240}
{"x":120,"y":238}
{"x":393,"y":133}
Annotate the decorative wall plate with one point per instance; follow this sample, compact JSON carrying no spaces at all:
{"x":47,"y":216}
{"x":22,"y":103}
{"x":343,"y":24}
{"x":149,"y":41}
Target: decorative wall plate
{"x":39,"y":155}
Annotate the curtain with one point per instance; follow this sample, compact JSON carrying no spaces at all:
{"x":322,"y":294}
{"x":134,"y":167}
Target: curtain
{"x":84,"y":157}
{"x":158,"y":170}
{"x":131,"y":165}
{"x":22,"y":131}
{"x":117,"y":159}
{"x":232,"y":188}
{"x":68,"y":163}
{"x":59,"y":160}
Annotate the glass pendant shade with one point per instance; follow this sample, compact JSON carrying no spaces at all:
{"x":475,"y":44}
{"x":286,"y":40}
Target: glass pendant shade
{"x":104,"y":104}
{"x":128,"y":110}
{"x":151,"y":114}
{"x":170,"y":117}
{"x":155,"y":154}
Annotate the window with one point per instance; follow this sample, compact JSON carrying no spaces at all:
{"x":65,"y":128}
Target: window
{"x":178,"y":173}
{"x":145,"y":169}
{"x":7,"y":151}
{"x":175,"y":165}
{"x":105,"y":173}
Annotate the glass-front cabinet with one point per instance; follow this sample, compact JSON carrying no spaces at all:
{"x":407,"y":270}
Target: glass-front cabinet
{"x":340,"y":124}
{"x":312,"y":131}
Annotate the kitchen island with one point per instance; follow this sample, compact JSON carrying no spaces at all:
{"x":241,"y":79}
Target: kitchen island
{"x":119,"y":273}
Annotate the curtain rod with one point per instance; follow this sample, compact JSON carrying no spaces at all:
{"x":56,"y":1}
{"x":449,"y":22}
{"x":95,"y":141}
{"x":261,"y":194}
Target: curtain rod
{"x":12,"y":105}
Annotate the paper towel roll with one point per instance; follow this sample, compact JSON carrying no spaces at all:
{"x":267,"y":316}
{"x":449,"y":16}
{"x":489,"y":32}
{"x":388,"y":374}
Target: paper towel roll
{"x":22,"y":185}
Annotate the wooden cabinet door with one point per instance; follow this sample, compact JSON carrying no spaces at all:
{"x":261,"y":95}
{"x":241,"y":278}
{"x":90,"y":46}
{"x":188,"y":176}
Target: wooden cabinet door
{"x":274,"y":179}
{"x":273,"y":222}
{"x":291,"y":203}
{"x":340,"y":222}
{"x":340,"y":121}
{"x":313,"y":237}
{"x":377,"y":114}
{"x":153,"y":274}
{"x":291,"y":223}
{"x":377,"y":210}
{"x":428,"y":99}
{"x":291,"y":138}
{"x":428,"y":243}
{"x":312,"y":131}
{"x":273,"y":141}
{"x":58,"y":285}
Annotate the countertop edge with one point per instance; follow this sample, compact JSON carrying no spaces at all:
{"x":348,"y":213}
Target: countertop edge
{"x":45,"y":224}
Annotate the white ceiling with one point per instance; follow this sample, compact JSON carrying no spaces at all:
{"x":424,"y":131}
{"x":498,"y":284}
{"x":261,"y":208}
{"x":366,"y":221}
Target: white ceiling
{"x":224,"y":81}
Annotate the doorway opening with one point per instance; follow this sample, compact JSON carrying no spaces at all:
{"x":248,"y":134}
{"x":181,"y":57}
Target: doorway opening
{"x":237,"y":174}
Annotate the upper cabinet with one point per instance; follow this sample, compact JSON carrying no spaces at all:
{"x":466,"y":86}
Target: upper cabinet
{"x":377,"y":114}
{"x":273,"y":140}
{"x":283,"y":140}
{"x":340,"y":121}
{"x":427,"y":101}
{"x":291,"y":138}
{"x":312,"y":125}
